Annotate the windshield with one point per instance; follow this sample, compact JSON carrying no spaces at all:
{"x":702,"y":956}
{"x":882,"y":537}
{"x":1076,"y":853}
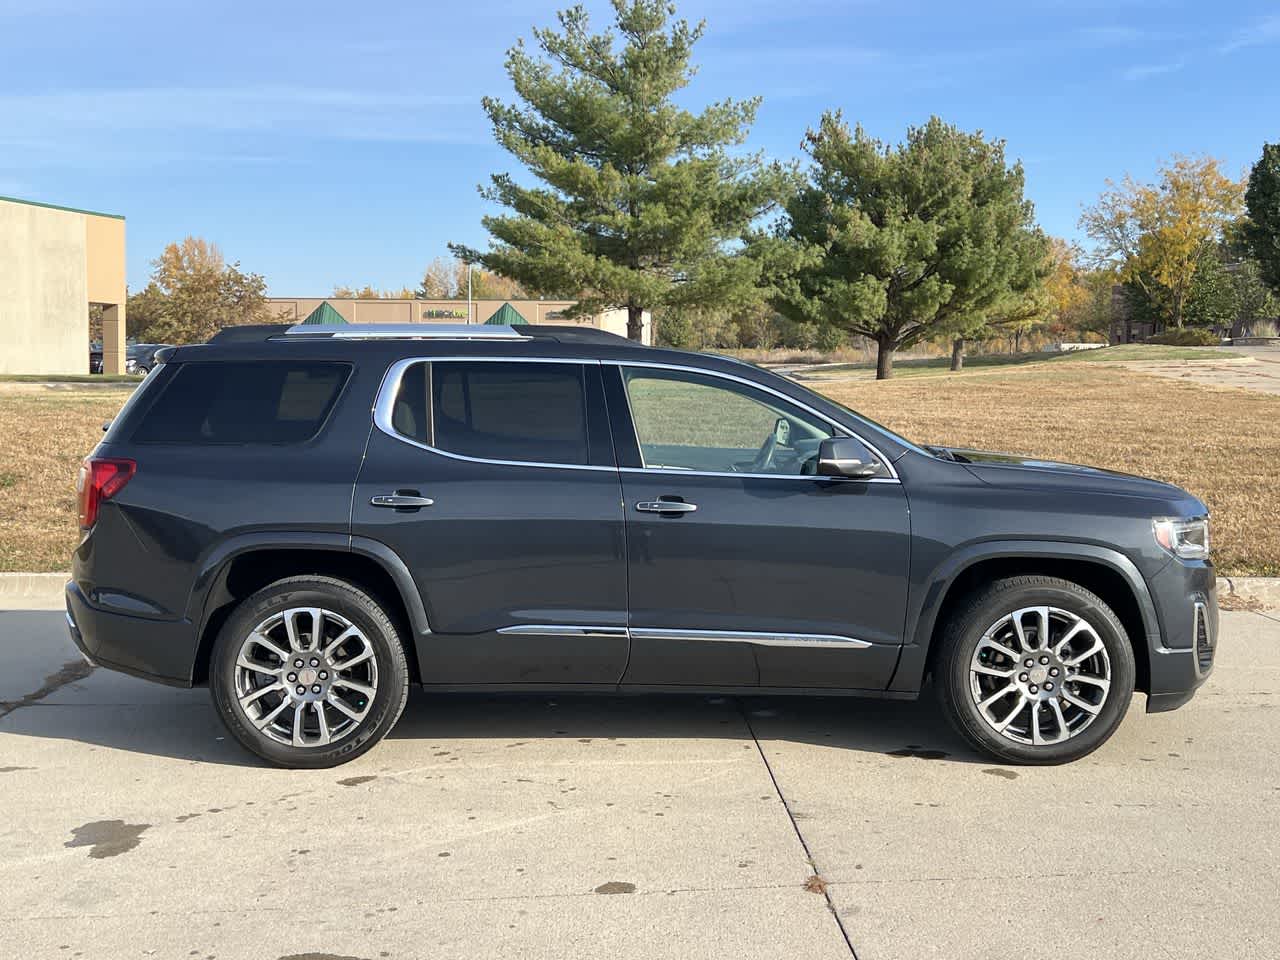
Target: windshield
{"x":863,"y":418}
{"x":874,"y":425}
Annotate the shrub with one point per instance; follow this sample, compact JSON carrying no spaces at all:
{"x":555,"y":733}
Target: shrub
{"x":1186,"y":337}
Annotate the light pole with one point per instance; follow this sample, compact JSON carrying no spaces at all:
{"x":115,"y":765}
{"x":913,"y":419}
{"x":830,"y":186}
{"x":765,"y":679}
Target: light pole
{"x":469,"y":269}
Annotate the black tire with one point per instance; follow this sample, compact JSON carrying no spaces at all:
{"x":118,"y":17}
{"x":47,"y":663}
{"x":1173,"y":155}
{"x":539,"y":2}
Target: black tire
{"x":348,"y":602}
{"x":962,"y":635}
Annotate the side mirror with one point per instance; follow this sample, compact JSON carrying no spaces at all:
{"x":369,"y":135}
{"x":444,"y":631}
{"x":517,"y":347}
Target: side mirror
{"x":842,"y":457}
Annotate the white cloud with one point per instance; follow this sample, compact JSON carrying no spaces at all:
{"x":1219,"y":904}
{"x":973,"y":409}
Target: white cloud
{"x":291,"y":111}
{"x":1147,"y":71}
{"x":1262,"y":32}
{"x":1110,"y":36}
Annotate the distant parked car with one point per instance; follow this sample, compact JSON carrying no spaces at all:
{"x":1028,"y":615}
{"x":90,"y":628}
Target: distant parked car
{"x":95,"y":357}
{"x":141,"y":357}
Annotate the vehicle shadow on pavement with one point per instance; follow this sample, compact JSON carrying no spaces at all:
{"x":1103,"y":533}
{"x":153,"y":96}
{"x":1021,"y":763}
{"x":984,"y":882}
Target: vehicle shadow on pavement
{"x":892,"y":728}
{"x":181,"y":724}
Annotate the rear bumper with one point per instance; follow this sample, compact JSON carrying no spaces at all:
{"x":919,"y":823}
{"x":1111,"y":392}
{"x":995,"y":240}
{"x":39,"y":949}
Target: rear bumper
{"x":1186,"y":599}
{"x":160,"y":650}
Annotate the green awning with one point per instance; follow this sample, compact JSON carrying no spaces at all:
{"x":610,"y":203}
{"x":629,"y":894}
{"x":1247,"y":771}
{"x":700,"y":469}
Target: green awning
{"x":325,"y":315}
{"x":506,"y":316}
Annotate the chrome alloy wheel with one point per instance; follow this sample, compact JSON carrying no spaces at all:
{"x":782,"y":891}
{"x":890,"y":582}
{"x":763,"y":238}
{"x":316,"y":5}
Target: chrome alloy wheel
{"x":1040,"y":675}
{"x":306,"y":676}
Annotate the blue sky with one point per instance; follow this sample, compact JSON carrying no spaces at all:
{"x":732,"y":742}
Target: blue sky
{"x":327,"y":143}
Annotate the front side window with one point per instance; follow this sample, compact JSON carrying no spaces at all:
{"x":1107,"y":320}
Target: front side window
{"x":691,"y":421}
{"x":524,"y":412}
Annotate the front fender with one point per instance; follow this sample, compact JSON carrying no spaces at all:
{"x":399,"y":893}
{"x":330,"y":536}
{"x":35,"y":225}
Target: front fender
{"x":926,"y":600}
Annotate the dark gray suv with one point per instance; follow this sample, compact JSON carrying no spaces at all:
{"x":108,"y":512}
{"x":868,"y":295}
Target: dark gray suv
{"x":310,"y":519}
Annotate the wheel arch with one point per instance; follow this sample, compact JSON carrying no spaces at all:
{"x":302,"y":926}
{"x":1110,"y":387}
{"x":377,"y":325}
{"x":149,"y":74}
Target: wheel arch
{"x":1101,"y":570}
{"x":243,"y":565}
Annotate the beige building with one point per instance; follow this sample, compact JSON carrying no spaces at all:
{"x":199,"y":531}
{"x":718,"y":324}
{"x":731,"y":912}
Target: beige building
{"x":54,"y":263}
{"x":298,"y":309}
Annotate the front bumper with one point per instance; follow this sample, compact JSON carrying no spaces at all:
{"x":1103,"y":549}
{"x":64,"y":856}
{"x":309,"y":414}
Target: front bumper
{"x":160,"y":650}
{"x":1186,"y":600}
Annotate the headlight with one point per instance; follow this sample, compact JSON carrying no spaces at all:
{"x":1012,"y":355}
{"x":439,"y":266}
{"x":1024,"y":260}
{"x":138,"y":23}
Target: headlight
{"x":1186,"y":538}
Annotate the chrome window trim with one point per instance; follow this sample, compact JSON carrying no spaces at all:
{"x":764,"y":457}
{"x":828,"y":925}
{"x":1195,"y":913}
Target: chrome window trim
{"x":385,"y":401}
{"x":825,"y":641}
{"x":839,"y":428}
{"x":384,"y":405}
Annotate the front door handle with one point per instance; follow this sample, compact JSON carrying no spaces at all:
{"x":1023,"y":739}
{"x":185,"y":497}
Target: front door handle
{"x":401,"y":500}
{"x":666,"y":506}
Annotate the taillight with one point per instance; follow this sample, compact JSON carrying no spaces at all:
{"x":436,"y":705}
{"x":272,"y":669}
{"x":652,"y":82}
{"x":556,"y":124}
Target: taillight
{"x":101,"y":478}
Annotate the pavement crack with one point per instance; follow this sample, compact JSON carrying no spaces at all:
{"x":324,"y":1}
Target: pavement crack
{"x":815,"y":884}
{"x":69,"y":672}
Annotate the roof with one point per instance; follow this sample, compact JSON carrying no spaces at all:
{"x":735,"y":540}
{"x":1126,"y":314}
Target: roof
{"x":55,"y":206}
{"x":325,"y":315}
{"x":507,"y":316}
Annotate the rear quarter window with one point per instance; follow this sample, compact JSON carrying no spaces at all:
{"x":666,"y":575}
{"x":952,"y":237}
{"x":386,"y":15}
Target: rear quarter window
{"x":241,"y":403}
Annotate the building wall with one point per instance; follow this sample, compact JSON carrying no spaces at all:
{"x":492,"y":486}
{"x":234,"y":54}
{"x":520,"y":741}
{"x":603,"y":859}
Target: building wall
{"x":104,"y":267}
{"x":44,"y":305}
{"x":54,"y":262}
{"x":296,"y":309}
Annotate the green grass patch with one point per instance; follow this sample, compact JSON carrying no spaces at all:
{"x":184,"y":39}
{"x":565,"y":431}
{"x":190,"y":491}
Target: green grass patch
{"x":70,"y":378}
{"x":911,"y":367}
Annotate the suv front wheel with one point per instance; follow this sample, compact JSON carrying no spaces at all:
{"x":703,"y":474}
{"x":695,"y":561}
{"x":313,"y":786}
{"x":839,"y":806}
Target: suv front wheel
{"x":309,"y":672}
{"x":1035,"y":670}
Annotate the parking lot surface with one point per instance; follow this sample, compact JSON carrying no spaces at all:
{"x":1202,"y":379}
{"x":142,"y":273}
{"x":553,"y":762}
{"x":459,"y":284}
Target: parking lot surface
{"x":682,"y":827}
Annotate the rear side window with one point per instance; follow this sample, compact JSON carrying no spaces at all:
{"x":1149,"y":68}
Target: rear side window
{"x":244,"y":403}
{"x":495,"y":410}
{"x":511,"y":411}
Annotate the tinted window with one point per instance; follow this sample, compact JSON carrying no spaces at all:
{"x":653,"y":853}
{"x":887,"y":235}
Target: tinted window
{"x":689,"y":421}
{"x":243,"y":403}
{"x":532,"y":412}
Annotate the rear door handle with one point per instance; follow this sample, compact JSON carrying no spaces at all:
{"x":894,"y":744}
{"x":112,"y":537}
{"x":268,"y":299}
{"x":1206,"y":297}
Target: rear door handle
{"x":400,"y":500}
{"x":666,"y":506}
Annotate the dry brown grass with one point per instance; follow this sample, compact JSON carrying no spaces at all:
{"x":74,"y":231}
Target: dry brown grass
{"x":44,"y":433}
{"x":1222,"y":444}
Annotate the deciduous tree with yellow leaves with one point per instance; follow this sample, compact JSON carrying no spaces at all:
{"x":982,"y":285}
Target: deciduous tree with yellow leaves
{"x":1154,"y":234}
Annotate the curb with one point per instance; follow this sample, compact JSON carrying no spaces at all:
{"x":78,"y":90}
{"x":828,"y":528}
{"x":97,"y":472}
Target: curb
{"x":1250,"y":592}
{"x":32,"y":591}
{"x":20,"y":586}
{"x":1247,"y":593}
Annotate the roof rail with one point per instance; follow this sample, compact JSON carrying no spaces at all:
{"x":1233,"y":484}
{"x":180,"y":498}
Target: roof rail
{"x":562,"y":333}
{"x":565,"y":333}
{"x":249,"y":331}
{"x":401,"y":331}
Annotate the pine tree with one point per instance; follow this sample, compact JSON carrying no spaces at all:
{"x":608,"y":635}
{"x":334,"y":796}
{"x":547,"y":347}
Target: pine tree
{"x":639,"y":201}
{"x":904,"y":243}
{"x":1262,"y":201}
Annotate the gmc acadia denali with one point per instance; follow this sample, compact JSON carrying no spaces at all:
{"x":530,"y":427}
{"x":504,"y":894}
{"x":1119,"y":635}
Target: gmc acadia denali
{"x":308,"y":519}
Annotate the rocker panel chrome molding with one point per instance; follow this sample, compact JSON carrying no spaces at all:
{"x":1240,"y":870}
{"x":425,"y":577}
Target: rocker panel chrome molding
{"x":821,"y":640}
{"x":560,"y":630}
{"x":814,"y":640}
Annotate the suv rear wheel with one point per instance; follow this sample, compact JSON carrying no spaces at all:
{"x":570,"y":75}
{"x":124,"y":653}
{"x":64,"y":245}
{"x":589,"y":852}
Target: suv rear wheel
{"x":309,"y":672}
{"x":1035,"y":670}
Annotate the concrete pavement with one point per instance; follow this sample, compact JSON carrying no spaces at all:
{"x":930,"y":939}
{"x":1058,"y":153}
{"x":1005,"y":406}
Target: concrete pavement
{"x":1255,"y":367}
{"x":649,"y":827}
